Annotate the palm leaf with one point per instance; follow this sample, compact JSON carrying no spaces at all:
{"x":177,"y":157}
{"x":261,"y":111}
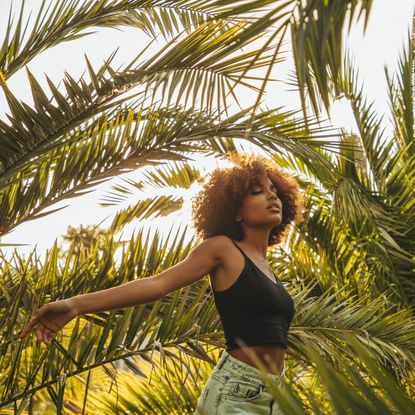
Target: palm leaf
{"x":33,"y":131}
{"x":347,"y":389}
{"x":131,"y":140}
{"x":69,"y":20}
{"x":401,"y":93}
{"x":316,"y":29}
{"x":158,"y":206}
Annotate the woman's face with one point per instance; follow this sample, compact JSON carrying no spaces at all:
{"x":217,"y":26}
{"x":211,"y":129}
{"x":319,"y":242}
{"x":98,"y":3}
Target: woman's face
{"x":257,"y":209}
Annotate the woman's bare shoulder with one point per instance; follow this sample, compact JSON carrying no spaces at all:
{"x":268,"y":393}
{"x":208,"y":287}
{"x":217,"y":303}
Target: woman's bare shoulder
{"x":219,"y":244}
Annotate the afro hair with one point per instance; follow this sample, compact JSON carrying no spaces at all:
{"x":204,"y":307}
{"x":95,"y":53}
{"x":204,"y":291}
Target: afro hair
{"x":214,"y":207}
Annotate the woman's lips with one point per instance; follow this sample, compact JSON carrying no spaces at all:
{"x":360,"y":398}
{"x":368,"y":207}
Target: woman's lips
{"x":274,"y":209}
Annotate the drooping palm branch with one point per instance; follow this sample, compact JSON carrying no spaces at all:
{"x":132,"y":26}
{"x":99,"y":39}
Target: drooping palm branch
{"x":69,"y":20}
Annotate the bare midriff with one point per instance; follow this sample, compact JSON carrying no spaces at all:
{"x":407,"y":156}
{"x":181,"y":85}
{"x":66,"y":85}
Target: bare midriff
{"x":271,"y":357}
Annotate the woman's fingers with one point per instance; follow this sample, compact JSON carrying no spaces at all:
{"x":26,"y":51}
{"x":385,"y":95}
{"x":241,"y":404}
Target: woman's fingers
{"x":47,"y":321}
{"x":45,"y":335}
{"x":29,"y":326}
{"x":50,"y":336}
{"x":39,"y":332}
{"x":33,"y":322}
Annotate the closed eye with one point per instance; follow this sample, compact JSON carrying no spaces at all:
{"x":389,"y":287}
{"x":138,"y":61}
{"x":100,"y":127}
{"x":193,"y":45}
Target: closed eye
{"x":254,"y":192}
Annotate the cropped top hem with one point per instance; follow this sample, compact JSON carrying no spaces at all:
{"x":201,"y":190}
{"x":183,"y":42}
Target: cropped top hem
{"x":233,"y":346}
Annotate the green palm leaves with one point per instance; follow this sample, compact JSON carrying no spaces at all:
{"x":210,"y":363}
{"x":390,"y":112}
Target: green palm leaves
{"x":349,"y":265}
{"x":348,"y":391}
{"x":180,"y":322}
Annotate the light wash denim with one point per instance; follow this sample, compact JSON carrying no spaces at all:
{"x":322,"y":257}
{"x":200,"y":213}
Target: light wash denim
{"x":236,"y":388}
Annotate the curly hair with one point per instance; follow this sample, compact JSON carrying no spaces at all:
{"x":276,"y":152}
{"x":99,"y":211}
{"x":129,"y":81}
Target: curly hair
{"x":214,"y":207}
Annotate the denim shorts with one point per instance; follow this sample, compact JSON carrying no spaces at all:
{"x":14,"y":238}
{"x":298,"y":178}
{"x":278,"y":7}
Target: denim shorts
{"x":236,"y":388}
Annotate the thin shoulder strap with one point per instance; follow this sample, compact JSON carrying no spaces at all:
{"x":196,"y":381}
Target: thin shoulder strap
{"x":243,"y":253}
{"x":250,"y":260}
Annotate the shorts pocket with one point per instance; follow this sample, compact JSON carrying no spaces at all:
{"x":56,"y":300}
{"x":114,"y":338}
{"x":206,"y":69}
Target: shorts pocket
{"x":220,"y":375}
{"x":241,"y":390}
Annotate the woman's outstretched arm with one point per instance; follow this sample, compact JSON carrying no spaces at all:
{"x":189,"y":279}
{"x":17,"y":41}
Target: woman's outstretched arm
{"x":51,"y":317}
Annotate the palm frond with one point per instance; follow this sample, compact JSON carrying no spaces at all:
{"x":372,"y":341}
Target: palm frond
{"x":342,"y":387}
{"x":132,"y":139}
{"x":377,"y":149}
{"x":325,"y":320}
{"x":121,"y":144}
{"x":68,"y":20}
{"x":157,"y":206}
{"x":401,"y":96}
{"x":380,"y":175}
{"x":316,"y":34}
{"x":203,"y":56}
{"x":177,"y":175}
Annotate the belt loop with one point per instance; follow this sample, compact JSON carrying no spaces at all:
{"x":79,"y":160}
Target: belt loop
{"x":220,"y":357}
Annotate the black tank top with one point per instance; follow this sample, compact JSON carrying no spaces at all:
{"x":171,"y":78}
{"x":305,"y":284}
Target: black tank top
{"x":254,"y":309}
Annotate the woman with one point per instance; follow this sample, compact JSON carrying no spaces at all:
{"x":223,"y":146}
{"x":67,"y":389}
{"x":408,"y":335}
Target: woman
{"x":239,"y":213}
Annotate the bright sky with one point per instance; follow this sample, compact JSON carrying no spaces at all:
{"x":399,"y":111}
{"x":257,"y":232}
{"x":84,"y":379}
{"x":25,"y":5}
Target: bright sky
{"x":381,"y":45}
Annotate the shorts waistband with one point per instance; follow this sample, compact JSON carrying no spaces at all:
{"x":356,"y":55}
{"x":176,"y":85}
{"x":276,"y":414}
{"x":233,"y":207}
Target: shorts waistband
{"x":234,"y":365}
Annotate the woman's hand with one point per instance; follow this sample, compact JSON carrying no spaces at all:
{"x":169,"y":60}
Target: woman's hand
{"x":49,"y":319}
